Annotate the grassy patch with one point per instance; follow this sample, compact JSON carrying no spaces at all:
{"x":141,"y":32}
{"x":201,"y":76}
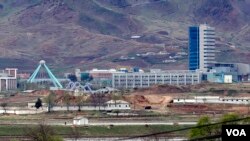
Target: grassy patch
{"x":94,"y":131}
{"x":12,"y":130}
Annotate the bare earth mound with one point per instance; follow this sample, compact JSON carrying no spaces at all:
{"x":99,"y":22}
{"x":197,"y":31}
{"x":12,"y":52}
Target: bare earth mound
{"x":155,"y":101}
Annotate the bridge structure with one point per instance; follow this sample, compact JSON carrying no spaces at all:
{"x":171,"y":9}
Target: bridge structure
{"x":73,"y":86}
{"x":42,"y":66}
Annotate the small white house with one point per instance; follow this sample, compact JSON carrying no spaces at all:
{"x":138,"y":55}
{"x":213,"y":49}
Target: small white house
{"x":117,"y":105}
{"x":79,"y":120}
{"x":228,"y":79}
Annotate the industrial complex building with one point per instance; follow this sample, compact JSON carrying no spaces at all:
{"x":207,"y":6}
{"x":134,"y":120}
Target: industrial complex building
{"x":124,"y":78}
{"x":102,"y":77}
{"x":140,"y":80}
{"x":220,"y":73}
{"x":133,"y":78}
{"x":202,"y":67}
{"x":8,"y":79}
{"x":202,"y":57}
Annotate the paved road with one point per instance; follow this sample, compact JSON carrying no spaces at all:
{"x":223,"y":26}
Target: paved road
{"x":99,"y":123}
{"x":137,"y":139}
{"x":143,"y":123}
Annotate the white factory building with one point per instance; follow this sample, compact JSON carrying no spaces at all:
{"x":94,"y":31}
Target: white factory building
{"x":213,"y":100}
{"x":147,"y":79}
{"x":8,"y":79}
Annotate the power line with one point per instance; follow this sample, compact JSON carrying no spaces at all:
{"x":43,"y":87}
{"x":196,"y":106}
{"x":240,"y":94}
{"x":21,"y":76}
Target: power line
{"x":183,"y":129}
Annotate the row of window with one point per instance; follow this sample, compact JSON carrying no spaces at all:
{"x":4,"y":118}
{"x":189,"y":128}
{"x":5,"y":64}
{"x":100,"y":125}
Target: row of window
{"x":227,"y":100}
{"x":211,"y":55}
{"x":153,"y":80}
{"x":235,"y":100}
{"x":209,"y":49}
{"x":117,"y":105}
{"x":157,"y":78}
{"x":213,"y":34}
{"x":209,"y":37}
{"x":209,"y":30}
{"x":149,"y":84}
{"x":209,"y":41}
{"x":209,"y":45}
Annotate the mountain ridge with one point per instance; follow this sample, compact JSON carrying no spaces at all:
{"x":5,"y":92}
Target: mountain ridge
{"x":96,"y":33}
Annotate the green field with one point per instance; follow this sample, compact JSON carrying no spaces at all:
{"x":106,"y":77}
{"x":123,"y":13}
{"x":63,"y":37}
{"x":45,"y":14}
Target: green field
{"x":93,"y":131}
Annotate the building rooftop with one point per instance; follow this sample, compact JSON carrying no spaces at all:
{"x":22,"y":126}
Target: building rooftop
{"x":79,"y":118}
{"x":117,"y":102}
{"x":98,"y":71}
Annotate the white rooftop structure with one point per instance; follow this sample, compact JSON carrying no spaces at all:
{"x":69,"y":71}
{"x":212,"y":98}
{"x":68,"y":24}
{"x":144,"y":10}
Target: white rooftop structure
{"x":117,"y":101}
{"x":135,"y":37}
{"x":103,"y":71}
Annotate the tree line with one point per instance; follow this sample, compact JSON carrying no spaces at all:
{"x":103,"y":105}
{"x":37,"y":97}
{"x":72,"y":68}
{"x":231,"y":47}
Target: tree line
{"x":213,"y":130}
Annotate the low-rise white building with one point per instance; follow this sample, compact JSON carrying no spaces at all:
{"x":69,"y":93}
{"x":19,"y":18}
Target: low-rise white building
{"x":108,"y":106}
{"x":79,"y":120}
{"x":213,"y":99}
{"x":117,"y":105}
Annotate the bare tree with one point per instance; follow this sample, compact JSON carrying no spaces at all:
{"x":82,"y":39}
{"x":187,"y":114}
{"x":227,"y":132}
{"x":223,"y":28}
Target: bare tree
{"x":50,"y":100}
{"x":98,"y":100}
{"x":4,"y":105}
{"x":80,"y":102}
{"x":115,"y":97}
{"x":66,"y":100}
{"x":93,"y":100}
{"x":123,"y":91}
{"x":42,"y":132}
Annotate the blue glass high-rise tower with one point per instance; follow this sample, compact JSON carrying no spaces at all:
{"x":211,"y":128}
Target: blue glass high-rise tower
{"x":201,"y":47}
{"x":194,"y":48}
